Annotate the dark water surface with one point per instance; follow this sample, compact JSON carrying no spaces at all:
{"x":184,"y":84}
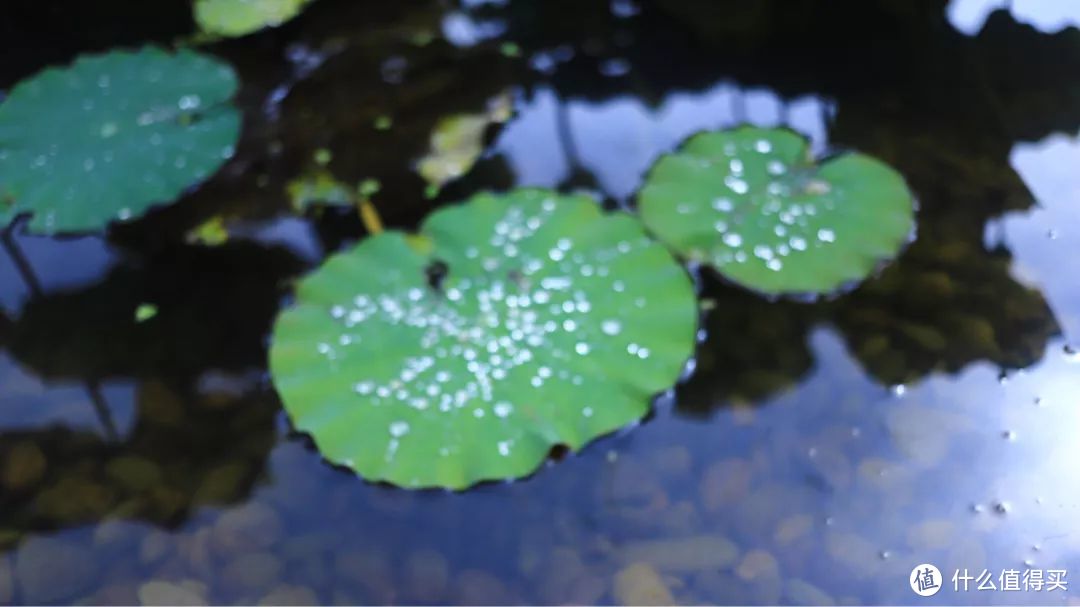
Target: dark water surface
{"x":817,"y":452}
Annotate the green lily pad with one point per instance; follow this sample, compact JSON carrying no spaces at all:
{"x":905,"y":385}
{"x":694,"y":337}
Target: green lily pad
{"x":112,"y":135}
{"x":231,"y":18}
{"x":753,"y":203}
{"x":551,"y":323}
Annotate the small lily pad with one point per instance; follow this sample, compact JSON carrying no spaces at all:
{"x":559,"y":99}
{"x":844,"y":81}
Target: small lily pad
{"x":509,"y":324}
{"x":231,"y":18}
{"x":458,"y":142}
{"x":112,"y":135}
{"x":753,"y":203}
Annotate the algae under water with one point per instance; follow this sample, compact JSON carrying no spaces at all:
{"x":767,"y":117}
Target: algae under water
{"x":816,"y":451}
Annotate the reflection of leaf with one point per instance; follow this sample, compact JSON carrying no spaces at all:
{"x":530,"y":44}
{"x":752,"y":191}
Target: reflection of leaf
{"x":339,"y":105}
{"x":458,"y":142}
{"x":112,"y":135}
{"x":154,"y":474}
{"x":945,"y":304}
{"x":241,"y":17}
{"x":214,"y":308}
{"x":510,"y":324}
{"x":753,"y":349}
{"x":751,"y":203}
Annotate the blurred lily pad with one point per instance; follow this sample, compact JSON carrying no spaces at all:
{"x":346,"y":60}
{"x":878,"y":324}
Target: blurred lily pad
{"x":232,"y":18}
{"x":112,"y":135}
{"x":458,"y":142}
{"x":510,"y":324}
{"x":753,"y":203}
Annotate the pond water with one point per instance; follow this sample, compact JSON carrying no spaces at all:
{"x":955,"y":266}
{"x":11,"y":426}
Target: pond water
{"x":815,"y":452}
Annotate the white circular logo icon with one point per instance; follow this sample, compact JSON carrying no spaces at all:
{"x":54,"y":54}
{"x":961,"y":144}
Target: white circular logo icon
{"x":925,"y":580}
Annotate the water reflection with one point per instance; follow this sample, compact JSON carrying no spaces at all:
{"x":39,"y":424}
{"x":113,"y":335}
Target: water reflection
{"x":811,"y":479}
{"x":1043,"y":236}
{"x":1048,"y":16}
{"x":618,"y":139}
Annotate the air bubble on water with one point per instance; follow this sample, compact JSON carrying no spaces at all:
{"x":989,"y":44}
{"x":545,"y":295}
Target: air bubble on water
{"x":898,"y":389}
{"x":763,"y":146}
{"x":732,"y":239}
{"x":1002,"y":508}
{"x":826,"y":235}
{"x":736,"y":165}
{"x":798,"y":243}
{"x":775,"y":265}
{"x":124,"y":214}
{"x":582,"y":348}
{"x":722,"y":204}
{"x":736,"y":185}
{"x":364,"y":388}
{"x":108,"y":130}
{"x":775,"y":167}
{"x":399,"y":429}
{"x":189,"y":102}
{"x":1008,"y":435}
{"x":504,"y":448}
{"x":611,"y":327}
{"x":503,"y":409}
{"x":721,"y":226}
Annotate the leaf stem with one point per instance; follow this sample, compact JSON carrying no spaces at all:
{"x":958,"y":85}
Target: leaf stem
{"x":369,"y":215}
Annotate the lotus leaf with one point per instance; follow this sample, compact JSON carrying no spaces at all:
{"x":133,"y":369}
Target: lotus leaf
{"x":508,"y":325}
{"x":112,"y":135}
{"x":752,"y":203}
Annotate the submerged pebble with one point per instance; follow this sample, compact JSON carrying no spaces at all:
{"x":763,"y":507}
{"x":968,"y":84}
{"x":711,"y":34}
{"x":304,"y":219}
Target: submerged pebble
{"x":640,"y":584}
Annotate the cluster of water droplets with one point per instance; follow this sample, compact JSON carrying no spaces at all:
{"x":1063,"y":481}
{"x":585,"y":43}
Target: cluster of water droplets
{"x":763,"y":222}
{"x":518,"y":317}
